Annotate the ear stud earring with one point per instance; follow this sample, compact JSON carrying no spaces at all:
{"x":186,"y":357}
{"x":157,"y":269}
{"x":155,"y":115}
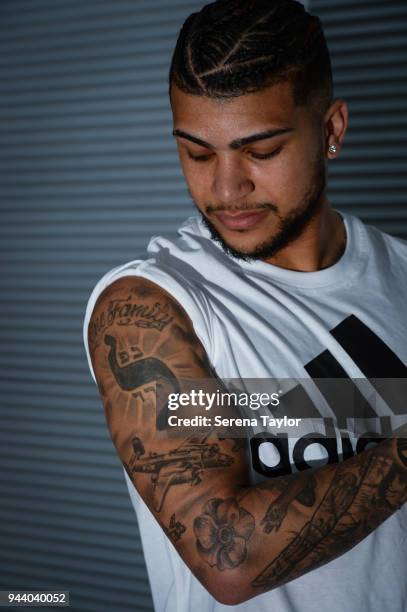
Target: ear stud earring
{"x":332,"y":148}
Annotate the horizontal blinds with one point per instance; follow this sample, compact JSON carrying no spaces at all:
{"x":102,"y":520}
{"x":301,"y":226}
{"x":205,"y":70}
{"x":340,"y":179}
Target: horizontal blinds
{"x":88,"y":171}
{"x":368,"y":44}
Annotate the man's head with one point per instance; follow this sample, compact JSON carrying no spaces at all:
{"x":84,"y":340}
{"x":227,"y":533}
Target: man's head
{"x":251,"y":94}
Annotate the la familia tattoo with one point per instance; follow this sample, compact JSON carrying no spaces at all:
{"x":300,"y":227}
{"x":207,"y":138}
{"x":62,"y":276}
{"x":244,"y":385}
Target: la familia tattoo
{"x":128,"y":312}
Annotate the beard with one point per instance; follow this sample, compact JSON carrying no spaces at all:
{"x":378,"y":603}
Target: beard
{"x":289,"y":228}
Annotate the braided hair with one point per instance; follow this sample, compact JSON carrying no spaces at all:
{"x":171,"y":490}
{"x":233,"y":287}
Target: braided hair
{"x":234,"y":47}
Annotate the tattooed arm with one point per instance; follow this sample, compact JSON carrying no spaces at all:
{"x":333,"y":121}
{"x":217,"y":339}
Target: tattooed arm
{"x":238,"y":540}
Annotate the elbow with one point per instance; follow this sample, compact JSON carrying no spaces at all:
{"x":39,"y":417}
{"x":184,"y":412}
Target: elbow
{"x":228,"y":598}
{"x":229,"y":591}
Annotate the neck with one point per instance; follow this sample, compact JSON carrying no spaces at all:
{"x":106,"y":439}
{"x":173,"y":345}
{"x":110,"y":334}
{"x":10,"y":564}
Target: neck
{"x":321,"y":244}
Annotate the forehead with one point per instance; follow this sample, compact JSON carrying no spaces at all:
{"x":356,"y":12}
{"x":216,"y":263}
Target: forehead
{"x":271,"y":107}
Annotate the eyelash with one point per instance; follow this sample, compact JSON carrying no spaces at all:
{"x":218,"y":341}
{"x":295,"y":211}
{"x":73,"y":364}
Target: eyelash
{"x":260,"y":156}
{"x":266,"y":155}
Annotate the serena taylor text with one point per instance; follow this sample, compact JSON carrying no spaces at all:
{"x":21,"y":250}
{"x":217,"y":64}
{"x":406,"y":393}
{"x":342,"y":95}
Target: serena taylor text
{"x":205,"y":421}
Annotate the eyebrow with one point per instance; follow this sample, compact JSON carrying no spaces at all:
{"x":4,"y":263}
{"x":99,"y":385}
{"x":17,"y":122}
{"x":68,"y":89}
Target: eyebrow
{"x":238,"y":142}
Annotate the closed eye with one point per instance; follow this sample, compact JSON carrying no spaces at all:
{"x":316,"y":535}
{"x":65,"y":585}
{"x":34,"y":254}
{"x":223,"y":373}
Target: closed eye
{"x":265,"y":155}
{"x":253,"y":154}
{"x":198,"y":158}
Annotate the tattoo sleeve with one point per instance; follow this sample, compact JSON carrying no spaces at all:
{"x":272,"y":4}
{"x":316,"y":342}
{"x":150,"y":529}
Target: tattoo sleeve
{"x":239,"y":540}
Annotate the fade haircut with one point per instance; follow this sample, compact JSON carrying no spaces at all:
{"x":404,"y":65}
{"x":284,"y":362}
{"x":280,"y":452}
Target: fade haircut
{"x":235,"y":47}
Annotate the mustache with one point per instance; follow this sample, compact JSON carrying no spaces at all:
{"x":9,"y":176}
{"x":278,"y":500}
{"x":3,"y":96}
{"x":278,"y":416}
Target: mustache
{"x":244,"y":206}
{"x":209,"y":208}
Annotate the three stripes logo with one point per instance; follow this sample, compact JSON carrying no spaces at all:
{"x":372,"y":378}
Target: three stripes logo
{"x":375,"y":359}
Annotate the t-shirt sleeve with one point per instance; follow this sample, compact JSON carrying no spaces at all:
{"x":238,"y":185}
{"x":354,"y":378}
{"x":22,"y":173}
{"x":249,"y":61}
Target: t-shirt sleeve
{"x":190,"y":295}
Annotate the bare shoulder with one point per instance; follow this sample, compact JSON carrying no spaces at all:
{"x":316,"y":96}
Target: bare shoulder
{"x":138,"y":318}
{"x":134,"y":286}
{"x":130,"y":297}
{"x":134,"y":302}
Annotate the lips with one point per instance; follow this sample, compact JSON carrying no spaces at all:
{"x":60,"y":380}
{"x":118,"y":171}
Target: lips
{"x":241,"y":220}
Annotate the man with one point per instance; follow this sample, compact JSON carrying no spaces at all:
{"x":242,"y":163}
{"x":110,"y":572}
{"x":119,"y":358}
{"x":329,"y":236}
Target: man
{"x":270,"y":282}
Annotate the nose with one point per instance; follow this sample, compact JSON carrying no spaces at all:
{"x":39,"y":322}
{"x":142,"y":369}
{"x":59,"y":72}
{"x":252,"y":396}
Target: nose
{"x":230,"y":181}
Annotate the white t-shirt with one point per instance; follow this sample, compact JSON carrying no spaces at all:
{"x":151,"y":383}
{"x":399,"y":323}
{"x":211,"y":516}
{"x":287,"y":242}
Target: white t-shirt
{"x":256,"y":320}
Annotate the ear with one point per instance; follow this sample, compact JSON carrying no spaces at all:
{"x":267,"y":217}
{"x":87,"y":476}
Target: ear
{"x":336,"y":123}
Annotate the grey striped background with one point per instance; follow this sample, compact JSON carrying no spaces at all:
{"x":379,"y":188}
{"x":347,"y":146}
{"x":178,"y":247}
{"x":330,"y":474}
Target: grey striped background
{"x":88,"y":171}
{"x":368,"y":43}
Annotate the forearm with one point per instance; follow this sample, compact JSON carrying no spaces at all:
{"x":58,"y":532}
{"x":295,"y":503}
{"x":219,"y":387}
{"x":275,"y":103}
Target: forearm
{"x":242,"y":540}
{"x":346,"y":502}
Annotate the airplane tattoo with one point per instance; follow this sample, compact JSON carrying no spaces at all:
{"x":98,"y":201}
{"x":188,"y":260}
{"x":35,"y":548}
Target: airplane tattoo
{"x":182,"y":465}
